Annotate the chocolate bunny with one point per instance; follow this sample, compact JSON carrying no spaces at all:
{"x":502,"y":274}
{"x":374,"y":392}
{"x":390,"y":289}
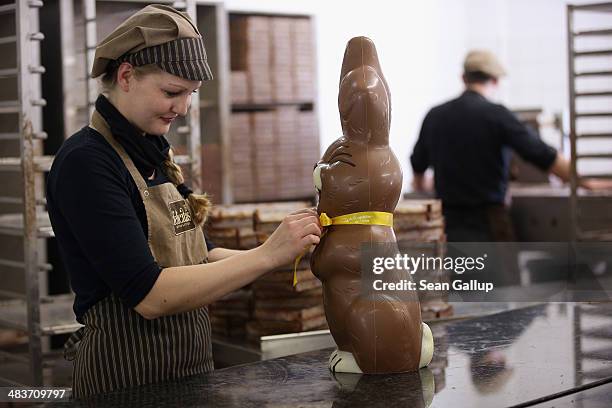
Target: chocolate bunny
{"x":378,"y":333}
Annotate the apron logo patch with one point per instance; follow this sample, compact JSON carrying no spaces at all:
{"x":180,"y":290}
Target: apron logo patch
{"x":181,"y":216}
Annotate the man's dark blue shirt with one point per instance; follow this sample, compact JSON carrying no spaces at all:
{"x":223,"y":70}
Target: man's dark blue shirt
{"x":468,"y":142}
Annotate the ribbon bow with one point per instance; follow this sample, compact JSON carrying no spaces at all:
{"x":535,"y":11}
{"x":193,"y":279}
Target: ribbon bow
{"x":358,"y":218}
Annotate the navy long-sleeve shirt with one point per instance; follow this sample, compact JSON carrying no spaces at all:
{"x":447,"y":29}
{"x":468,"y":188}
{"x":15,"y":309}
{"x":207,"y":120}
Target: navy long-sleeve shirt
{"x":468,"y":141}
{"x":100,"y":222}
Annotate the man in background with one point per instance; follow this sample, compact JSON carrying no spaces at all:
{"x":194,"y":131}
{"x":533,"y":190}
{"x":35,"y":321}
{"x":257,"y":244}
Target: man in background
{"x":468,"y":142}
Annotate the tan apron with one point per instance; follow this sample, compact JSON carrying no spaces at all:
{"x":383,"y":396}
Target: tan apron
{"x":118,"y":348}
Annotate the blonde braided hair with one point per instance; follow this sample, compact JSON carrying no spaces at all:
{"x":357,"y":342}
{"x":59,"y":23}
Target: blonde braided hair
{"x":200,"y":203}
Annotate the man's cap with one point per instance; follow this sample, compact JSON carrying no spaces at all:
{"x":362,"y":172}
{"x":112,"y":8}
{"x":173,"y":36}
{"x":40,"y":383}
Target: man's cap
{"x":483,"y":61}
{"x":160,"y":35}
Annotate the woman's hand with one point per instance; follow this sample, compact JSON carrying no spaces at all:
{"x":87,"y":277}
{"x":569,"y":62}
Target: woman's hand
{"x":183,"y":288}
{"x":297,"y":232}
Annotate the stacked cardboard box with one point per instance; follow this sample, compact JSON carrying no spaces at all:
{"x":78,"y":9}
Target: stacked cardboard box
{"x":265,"y":168}
{"x":297,"y":152}
{"x":250,"y":52}
{"x":273,"y":154}
{"x":303,"y":59}
{"x":243,"y":181}
{"x":419,"y":220}
{"x":232,"y":227}
{"x":280,"y":307}
{"x":282,"y":68}
{"x":238,"y":41}
{"x":229,"y":315}
{"x":287,"y":153}
{"x":272,"y":62}
{"x":267,"y":217}
{"x":239,"y":87}
{"x":272,"y":58}
{"x":419,"y":229}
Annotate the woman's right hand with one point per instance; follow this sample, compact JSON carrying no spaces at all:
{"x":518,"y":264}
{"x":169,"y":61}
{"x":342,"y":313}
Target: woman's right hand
{"x":296,"y":233}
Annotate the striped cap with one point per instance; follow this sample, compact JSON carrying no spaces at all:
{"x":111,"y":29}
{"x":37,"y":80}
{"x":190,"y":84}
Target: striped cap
{"x":185,"y":58}
{"x":160,"y":35}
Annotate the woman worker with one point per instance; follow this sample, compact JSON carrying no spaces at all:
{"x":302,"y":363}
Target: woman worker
{"x":129,"y":230}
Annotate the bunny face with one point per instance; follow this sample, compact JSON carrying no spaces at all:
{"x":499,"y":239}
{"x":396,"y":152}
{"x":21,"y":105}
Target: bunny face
{"x":352,"y":178}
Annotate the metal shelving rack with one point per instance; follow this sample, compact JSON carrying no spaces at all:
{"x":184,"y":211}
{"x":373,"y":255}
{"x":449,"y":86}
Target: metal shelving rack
{"x":30,"y":312}
{"x":603,"y":110}
{"x":35,"y":314}
{"x":591,"y":330}
{"x":81,"y":23}
{"x":591,"y":323}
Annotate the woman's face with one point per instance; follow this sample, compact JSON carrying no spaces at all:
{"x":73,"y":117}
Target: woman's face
{"x":152,"y":101}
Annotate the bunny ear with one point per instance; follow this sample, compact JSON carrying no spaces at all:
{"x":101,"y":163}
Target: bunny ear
{"x":361,"y":51}
{"x":364,"y":107}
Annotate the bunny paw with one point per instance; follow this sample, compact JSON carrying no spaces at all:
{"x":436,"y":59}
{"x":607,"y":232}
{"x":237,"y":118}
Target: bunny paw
{"x":427,"y":346}
{"x":343,"y":362}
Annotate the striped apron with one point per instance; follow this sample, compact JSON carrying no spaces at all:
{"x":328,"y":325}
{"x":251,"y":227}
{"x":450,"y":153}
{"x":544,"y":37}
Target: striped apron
{"x":118,"y":348}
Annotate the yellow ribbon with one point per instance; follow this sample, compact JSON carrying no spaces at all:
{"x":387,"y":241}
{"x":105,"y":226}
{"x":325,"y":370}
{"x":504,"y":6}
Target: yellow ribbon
{"x":358,"y":218}
{"x":295,"y":264}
